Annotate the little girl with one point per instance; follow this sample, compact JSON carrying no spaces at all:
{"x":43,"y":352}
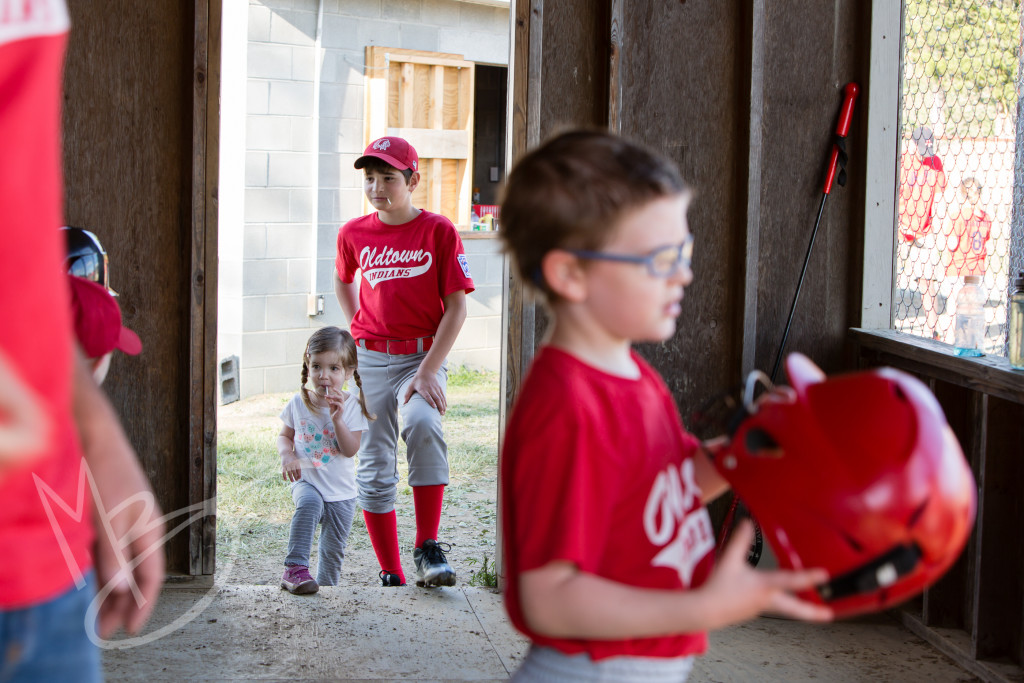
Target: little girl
{"x":321,"y":433}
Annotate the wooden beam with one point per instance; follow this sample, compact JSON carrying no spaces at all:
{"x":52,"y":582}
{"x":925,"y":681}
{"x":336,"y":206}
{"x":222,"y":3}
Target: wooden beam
{"x":988,"y":374}
{"x":752,"y":257}
{"x":431,"y":144}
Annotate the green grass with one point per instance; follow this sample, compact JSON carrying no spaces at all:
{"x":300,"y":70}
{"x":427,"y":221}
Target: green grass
{"x":254,"y":505}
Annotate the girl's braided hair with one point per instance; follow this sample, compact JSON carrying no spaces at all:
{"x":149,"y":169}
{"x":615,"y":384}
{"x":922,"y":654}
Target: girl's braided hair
{"x":340,"y":341}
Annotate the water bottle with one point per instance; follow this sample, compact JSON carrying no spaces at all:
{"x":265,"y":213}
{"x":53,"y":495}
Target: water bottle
{"x":1017,"y":323}
{"x":969,"y":330}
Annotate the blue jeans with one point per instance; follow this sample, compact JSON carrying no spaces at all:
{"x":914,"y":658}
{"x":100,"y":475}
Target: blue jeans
{"x":47,"y":642}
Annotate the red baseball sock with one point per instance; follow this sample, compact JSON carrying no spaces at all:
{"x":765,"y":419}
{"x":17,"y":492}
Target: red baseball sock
{"x":383,"y":530}
{"x":427,"y":501}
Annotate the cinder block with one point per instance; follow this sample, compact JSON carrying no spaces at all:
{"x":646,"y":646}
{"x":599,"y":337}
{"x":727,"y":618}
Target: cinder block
{"x":291,"y":99}
{"x":418,"y":37}
{"x":230,"y":388}
{"x":300,"y":206}
{"x":375,"y":33}
{"x":441,"y":13}
{"x":350,"y":204}
{"x":252,"y":382}
{"x":340,"y":31}
{"x":489,"y":48}
{"x":298,"y":278}
{"x":259,"y":23}
{"x":254,"y":241}
{"x":402,"y":10}
{"x":303,"y":63}
{"x":268,"y":133}
{"x":265,"y":277}
{"x":282,"y":379}
{"x":286,"y":312}
{"x":496,"y":266}
{"x":288,"y":240}
{"x":263,"y":349}
{"x":327,"y":212}
{"x":343,"y":100}
{"x":256,"y":169}
{"x":254,"y":314}
{"x":481,"y":18}
{"x":257,"y":97}
{"x":293,"y":27}
{"x":302,"y":134}
{"x":368,"y":9}
{"x":266,"y":60}
{"x":328,"y":170}
{"x":290,"y":169}
{"x":267,"y":206}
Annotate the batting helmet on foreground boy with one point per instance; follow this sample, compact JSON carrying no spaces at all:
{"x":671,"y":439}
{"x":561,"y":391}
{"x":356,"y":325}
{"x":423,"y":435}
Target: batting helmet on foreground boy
{"x":609,"y":547}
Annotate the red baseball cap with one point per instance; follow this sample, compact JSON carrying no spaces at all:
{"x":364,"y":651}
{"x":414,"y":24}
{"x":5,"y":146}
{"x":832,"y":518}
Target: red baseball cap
{"x":97,"y":319}
{"x":394,"y":151}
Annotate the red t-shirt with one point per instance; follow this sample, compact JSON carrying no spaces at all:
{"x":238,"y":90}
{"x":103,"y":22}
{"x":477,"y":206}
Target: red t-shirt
{"x":597,"y":470}
{"x":39,"y":561}
{"x":407,"y":270}
{"x":920,"y":181}
{"x":967,"y":242}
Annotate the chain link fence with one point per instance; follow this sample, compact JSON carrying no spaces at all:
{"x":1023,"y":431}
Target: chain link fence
{"x":961,"y":164}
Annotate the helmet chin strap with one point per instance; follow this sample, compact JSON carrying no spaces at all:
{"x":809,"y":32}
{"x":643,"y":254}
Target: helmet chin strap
{"x":879,"y":573}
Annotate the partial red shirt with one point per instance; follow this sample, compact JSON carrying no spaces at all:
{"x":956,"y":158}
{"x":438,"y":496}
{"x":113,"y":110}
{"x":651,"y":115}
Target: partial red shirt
{"x":407,"y":270}
{"x":41,"y":559}
{"x":598,"y":471}
{"x":967,"y":242}
{"x":920,"y":180}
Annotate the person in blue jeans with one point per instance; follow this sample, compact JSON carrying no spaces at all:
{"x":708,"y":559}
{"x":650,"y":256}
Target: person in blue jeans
{"x":62,"y":425}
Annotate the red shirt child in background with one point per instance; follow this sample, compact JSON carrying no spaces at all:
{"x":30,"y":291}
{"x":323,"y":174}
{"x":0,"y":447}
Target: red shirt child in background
{"x":608,"y":546}
{"x":921,"y":178}
{"x":966,"y":241}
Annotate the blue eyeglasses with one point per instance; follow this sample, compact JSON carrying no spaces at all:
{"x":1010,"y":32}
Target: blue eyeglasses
{"x":662,"y":262}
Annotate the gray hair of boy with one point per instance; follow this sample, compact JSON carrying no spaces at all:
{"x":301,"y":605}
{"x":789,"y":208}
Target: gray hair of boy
{"x":570,"y":193}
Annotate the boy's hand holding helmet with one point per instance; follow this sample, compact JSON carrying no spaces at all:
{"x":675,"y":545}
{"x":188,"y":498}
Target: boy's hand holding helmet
{"x":859,"y":474}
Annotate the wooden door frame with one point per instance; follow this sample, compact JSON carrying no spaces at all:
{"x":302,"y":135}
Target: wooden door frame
{"x":202,"y":366}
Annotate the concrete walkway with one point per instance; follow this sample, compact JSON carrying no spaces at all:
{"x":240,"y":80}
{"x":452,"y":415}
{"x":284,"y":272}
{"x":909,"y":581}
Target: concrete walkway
{"x":231,"y":633}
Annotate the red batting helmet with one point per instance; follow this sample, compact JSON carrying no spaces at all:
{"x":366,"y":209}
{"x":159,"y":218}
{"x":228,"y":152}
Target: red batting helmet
{"x":859,"y":474}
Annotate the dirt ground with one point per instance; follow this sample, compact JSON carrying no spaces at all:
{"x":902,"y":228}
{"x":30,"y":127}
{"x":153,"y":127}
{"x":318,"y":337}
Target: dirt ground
{"x":252,"y":630}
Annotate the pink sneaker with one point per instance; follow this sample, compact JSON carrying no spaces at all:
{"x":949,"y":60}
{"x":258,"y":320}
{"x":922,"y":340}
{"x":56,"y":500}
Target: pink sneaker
{"x":296,"y":580}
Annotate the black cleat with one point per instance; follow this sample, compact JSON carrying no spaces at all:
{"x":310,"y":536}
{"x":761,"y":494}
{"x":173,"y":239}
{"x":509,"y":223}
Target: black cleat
{"x":432,"y":568}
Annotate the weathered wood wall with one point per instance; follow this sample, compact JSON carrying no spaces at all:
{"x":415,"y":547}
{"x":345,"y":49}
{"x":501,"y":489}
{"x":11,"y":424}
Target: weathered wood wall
{"x":744,"y":97}
{"x":975,"y":613}
{"x":140,"y":164}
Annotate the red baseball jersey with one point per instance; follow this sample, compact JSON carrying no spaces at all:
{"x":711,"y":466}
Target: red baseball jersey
{"x":407,"y":270}
{"x":45,"y":513}
{"x":967,"y":242}
{"x":920,"y":181}
{"x":598,"y":471}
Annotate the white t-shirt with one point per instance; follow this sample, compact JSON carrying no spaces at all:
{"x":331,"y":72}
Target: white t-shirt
{"x":323,"y":465}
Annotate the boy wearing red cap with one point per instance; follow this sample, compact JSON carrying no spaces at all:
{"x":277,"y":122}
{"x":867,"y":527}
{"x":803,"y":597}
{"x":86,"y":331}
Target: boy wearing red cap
{"x":405,"y":314}
{"x":98,"y":327}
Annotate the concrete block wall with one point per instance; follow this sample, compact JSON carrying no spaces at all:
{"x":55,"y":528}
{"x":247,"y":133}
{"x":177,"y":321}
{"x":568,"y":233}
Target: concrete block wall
{"x":297,"y":175}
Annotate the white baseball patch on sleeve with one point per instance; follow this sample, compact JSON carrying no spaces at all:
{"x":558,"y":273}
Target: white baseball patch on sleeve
{"x":464,"y":262}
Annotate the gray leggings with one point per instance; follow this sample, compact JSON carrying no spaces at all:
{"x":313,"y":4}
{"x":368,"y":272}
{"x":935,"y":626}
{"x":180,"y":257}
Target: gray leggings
{"x":335,"y":519}
{"x":385,"y":379}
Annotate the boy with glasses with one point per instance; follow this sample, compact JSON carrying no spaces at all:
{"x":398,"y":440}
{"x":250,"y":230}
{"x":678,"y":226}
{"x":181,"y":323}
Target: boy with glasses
{"x":608,"y":545}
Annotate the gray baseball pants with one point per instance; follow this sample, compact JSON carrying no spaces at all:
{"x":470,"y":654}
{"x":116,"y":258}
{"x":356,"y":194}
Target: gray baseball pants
{"x":385,"y":379}
{"x":335,"y":519}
